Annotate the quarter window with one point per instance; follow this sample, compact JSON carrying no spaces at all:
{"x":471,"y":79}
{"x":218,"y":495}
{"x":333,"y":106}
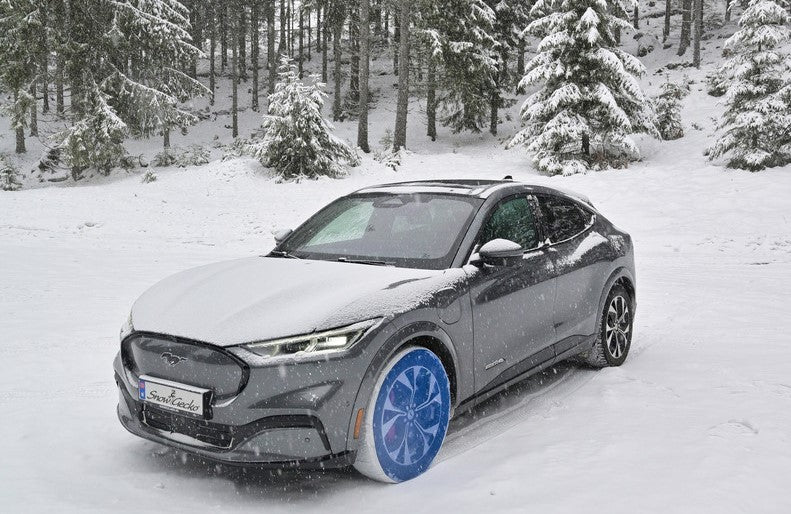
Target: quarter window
{"x":563,"y":218}
{"x":512,"y":220}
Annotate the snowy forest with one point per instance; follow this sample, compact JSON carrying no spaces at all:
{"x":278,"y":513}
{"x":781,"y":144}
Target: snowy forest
{"x":143,"y":138}
{"x":80,"y":80}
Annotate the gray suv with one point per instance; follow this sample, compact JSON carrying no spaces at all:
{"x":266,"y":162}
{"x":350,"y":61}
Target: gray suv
{"x":357,"y":338}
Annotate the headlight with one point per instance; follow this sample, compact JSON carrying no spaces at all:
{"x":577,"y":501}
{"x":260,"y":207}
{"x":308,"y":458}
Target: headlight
{"x":336,"y":340}
{"x":127,"y":328}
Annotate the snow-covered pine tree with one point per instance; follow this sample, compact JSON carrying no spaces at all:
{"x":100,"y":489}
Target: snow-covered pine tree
{"x":511,"y":16}
{"x":758,"y":102}
{"x":298,"y":141}
{"x":96,"y":138}
{"x":154,"y":35}
{"x":459,"y":35}
{"x":668,"y":110}
{"x":590,"y":101}
{"x":20,"y":49}
{"x":9,"y":176}
{"x":124,"y":61}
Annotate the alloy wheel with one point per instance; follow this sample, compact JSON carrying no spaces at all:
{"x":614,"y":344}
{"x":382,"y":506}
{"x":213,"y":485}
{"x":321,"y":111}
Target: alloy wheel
{"x":618,"y":327}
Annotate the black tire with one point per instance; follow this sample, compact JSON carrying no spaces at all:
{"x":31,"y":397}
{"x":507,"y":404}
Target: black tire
{"x":615,"y":331}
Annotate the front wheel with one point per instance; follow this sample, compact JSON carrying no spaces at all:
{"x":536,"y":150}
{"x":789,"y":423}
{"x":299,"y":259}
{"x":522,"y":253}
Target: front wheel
{"x":406,"y":418}
{"x":615,"y":333}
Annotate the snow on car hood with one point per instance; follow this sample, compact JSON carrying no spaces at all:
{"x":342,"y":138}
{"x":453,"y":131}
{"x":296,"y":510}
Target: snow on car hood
{"x":260,"y":298}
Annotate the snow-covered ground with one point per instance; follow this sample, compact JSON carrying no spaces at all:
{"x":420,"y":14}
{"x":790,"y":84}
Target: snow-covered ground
{"x":697,"y":420}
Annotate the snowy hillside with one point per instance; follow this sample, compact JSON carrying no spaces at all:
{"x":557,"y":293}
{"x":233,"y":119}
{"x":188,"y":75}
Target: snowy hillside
{"x":697,"y":420}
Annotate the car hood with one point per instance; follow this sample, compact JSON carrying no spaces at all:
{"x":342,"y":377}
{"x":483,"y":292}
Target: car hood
{"x":261,"y":298}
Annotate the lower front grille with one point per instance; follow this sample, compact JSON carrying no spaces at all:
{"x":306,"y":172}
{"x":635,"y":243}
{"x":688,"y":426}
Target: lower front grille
{"x":214,"y":434}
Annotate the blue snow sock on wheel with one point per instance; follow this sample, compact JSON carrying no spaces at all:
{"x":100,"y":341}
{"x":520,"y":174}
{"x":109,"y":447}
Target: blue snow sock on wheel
{"x":411,"y":415}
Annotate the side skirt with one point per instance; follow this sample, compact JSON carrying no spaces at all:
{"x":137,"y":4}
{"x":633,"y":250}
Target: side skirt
{"x":565,"y":353}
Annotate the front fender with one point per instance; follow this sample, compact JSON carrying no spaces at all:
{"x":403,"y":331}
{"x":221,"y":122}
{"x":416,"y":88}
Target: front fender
{"x":405,"y":335}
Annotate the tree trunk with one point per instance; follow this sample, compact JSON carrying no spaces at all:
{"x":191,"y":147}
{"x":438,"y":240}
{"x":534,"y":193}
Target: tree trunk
{"x":336,"y":75}
{"x":686,"y":19}
{"x":354,"y":60}
{"x":494,"y":106}
{"x":376,"y":16}
{"x":44,"y":67}
{"x":290,"y":16}
{"x":386,"y":30}
{"x":19,"y":131}
{"x":431,"y":98}
{"x":166,"y":138}
{"x":212,"y":53}
{"x":318,"y":28}
{"x":520,"y":59}
{"x":402,"y":106}
{"x":728,"y":10}
{"x":301,"y":41}
{"x":325,"y":34}
{"x":254,"y":50}
{"x":698,"y":33}
{"x":235,"y":91}
{"x":586,"y":144}
{"x":396,"y":46}
{"x":241,"y":61}
{"x":666,"y":28}
{"x":33,"y":110}
{"x":636,"y":16}
{"x":193,"y":19}
{"x":59,"y":106}
{"x":310,"y":35}
{"x":271,"y":60}
{"x":282,"y":49}
{"x":364,"y":56}
{"x":223,"y":36}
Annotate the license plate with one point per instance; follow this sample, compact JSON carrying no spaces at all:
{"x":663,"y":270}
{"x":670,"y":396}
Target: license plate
{"x":172,"y":395}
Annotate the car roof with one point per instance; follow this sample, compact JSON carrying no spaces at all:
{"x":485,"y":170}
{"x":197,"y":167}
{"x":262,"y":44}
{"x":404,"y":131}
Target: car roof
{"x":468,"y":187}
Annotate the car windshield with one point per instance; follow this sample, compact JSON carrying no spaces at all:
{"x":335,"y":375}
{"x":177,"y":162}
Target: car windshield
{"x":408,"y":230}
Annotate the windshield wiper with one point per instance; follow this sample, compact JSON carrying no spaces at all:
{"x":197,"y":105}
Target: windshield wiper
{"x":366,"y":261}
{"x":282,"y":253}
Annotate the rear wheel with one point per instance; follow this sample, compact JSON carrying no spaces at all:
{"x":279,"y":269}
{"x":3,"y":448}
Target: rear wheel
{"x":615,"y":333}
{"x":406,"y":419}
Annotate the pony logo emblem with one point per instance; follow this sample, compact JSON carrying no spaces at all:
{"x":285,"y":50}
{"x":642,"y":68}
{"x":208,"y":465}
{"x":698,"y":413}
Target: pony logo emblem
{"x":172,"y":358}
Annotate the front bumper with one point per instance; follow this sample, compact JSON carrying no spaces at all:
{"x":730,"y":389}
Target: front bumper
{"x":289,"y":414}
{"x":276,"y":441}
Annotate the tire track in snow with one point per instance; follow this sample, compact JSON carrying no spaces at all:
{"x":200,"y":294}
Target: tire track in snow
{"x":533,"y":396}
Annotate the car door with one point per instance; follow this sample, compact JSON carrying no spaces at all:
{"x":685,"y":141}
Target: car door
{"x":578,"y":253}
{"x":512,"y":306}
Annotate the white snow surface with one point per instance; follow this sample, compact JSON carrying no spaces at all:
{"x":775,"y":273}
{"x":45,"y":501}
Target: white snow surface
{"x":696,"y":420}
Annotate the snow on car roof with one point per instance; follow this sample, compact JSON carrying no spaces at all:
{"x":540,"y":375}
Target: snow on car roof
{"x":479,"y":188}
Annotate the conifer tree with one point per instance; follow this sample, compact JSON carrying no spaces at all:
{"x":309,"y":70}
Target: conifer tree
{"x":459,"y":35}
{"x":20,"y":50}
{"x":125,"y":60}
{"x":758,"y":102}
{"x":590,"y":102}
{"x":298,"y":141}
{"x":668,"y":110}
{"x":511,"y":16}
{"x":9,"y":176}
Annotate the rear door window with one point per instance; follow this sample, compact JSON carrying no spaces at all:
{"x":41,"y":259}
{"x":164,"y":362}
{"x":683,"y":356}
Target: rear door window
{"x":563,"y":218}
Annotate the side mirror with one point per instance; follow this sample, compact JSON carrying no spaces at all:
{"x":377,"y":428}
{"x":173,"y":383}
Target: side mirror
{"x":500,"y":252}
{"x":281,"y":235}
